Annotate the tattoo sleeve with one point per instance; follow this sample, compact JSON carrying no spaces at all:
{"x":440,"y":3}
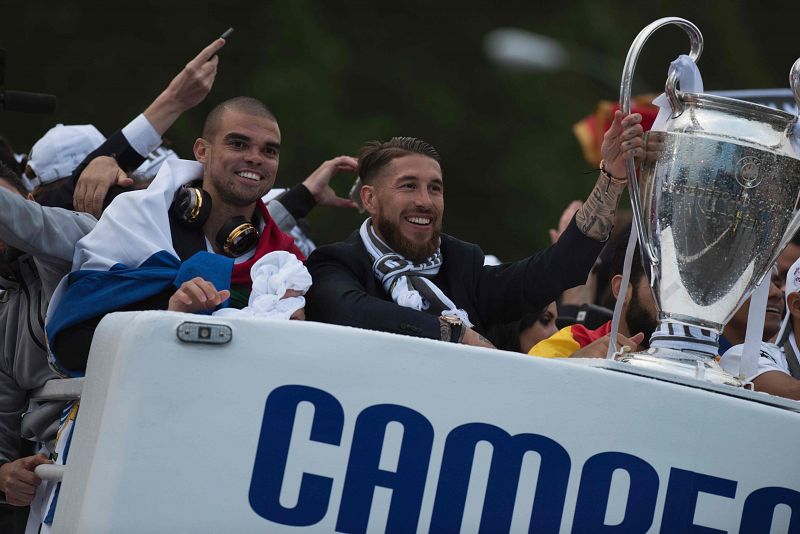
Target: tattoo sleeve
{"x":596,"y":217}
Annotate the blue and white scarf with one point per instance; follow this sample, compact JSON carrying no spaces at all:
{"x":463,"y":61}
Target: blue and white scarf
{"x":409,"y":283}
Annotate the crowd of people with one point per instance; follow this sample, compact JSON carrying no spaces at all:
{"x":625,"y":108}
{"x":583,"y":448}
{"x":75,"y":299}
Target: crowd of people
{"x":90,"y":226}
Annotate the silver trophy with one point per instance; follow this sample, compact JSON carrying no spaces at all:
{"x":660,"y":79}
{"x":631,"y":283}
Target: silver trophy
{"x":714,"y":204}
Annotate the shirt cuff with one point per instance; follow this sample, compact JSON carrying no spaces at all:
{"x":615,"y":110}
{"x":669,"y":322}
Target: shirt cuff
{"x":281,"y":215}
{"x":141,"y":135}
{"x":298,"y":201}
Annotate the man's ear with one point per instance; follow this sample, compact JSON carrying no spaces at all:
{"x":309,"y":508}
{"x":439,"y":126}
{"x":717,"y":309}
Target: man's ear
{"x":793,"y":305}
{"x":369,"y":198}
{"x":200,"y":149}
{"x":616,"y":283}
{"x":30,"y":197}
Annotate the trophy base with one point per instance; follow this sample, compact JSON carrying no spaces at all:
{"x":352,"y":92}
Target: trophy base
{"x":682,"y":363}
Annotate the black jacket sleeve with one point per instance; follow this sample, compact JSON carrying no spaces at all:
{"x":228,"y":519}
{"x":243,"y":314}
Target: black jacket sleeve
{"x":506,"y":292}
{"x":117,"y":147}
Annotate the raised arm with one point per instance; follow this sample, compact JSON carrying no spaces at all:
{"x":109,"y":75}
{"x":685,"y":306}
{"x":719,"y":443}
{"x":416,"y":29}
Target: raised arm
{"x":47,"y":233}
{"x":186,"y":90}
{"x":505,"y":292}
{"x":622,"y":141}
{"x":131,"y":145}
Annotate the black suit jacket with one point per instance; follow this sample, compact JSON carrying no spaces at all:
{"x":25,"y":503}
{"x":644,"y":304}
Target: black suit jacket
{"x":346,"y":292}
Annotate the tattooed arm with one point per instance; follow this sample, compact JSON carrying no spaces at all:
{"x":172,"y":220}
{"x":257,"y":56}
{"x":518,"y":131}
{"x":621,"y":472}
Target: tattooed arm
{"x":622,"y":141}
{"x":471,"y":337}
{"x":596,"y":217}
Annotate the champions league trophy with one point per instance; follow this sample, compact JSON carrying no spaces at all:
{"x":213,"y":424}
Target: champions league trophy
{"x":714,"y":204}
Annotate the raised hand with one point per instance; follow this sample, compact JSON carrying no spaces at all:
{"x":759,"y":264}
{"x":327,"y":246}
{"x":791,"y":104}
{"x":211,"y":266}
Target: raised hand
{"x":319,"y":182}
{"x":623,"y":140}
{"x":186,"y":90}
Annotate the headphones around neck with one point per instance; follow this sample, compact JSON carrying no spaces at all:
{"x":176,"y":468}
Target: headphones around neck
{"x":192,"y":207}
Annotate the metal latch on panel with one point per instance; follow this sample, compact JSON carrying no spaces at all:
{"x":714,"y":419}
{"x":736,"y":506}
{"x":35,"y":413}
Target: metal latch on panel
{"x":213,"y":334}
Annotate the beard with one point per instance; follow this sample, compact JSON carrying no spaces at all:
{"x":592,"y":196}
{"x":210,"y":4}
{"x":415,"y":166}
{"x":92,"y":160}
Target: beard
{"x":406,"y":248}
{"x":232,"y":196}
{"x":640,"y":319}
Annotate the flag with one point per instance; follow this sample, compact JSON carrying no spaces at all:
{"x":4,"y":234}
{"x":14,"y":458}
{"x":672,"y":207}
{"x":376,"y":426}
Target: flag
{"x":129,"y":256}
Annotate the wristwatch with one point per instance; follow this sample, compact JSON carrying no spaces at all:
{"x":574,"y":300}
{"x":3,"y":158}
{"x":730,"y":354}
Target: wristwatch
{"x":451,"y":328}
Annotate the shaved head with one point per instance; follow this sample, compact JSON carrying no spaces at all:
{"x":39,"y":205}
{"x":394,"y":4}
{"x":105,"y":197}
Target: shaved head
{"x":243,"y":104}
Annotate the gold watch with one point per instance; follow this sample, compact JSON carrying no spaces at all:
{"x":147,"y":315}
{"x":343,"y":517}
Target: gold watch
{"x":451,"y":328}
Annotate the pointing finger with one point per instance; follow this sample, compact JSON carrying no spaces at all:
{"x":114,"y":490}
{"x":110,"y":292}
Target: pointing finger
{"x":208,"y":52}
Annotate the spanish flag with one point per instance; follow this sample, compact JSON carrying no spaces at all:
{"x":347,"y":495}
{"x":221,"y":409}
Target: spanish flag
{"x":569,"y":339}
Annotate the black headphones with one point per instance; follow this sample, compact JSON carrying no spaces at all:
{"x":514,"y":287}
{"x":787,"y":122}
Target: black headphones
{"x":192,"y":207}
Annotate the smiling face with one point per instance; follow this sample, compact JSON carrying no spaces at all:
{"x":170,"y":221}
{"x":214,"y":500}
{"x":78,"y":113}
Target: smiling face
{"x":406,"y":202}
{"x":240,"y":159}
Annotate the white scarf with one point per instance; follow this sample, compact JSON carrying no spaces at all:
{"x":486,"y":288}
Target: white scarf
{"x":407,"y":282}
{"x":272,"y":276}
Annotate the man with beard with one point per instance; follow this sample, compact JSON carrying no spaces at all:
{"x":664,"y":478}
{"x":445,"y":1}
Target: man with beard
{"x":400,"y":274}
{"x":637,"y":323}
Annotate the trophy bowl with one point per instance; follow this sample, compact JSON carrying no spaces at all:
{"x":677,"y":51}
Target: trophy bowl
{"x":715,"y":202}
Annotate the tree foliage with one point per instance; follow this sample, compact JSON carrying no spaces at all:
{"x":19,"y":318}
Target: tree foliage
{"x":338,"y":73}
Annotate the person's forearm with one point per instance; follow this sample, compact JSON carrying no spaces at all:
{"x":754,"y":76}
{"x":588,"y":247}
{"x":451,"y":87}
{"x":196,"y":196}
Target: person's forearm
{"x":298,"y":201}
{"x":596,"y":217}
{"x":48,"y":233}
{"x":119,"y":147}
{"x":163,"y":112}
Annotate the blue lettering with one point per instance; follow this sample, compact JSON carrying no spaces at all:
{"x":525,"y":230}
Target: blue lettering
{"x":595,"y":490}
{"x":364,"y":474}
{"x":501,"y":489}
{"x":759,"y":509}
{"x":682,"y":491}
{"x":407,"y":481}
{"x":273,"y":450}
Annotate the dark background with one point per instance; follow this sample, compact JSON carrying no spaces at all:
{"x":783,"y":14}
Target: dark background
{"x":338,"y":73}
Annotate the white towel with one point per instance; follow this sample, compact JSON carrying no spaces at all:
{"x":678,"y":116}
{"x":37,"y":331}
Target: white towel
{"x":272,"y":276}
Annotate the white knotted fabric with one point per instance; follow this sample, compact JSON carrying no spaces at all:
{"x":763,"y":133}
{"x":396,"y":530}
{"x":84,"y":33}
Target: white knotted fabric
{"x":273,"y":275}
{"x":690,"y":81}
{"x":409,"y":283}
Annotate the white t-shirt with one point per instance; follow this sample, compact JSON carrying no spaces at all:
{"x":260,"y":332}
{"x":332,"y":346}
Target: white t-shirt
{"x":771,"y":358}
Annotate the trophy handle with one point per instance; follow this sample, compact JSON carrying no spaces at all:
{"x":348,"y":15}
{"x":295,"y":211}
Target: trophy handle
{"x":794,"y":82}
{"x":671,"y":90}
{"x":696,"y":40}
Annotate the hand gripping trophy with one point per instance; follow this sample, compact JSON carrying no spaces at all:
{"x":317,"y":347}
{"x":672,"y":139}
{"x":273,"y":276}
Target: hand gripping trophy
{"x":714,"y":203}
